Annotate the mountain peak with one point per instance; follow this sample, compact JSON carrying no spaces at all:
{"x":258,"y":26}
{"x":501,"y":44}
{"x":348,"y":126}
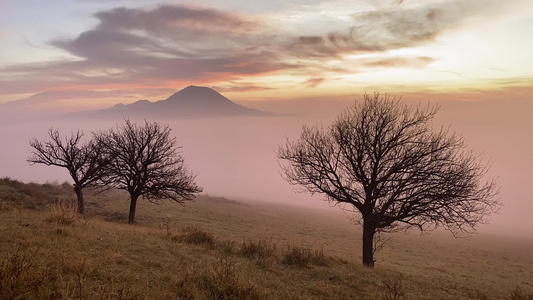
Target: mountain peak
{"x":192,"y":87}
{"x":200,"y":95}
{"x":192,"y":101}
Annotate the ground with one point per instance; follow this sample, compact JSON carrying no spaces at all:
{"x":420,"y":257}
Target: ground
{"x":224,"y":249}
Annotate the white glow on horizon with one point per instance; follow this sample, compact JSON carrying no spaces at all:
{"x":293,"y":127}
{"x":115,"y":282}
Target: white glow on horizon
{"x":486,"y":49}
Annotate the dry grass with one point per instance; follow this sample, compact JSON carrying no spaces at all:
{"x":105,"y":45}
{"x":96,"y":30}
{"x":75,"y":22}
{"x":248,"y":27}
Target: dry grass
{"x":63,"y":211}
{"x":520,"y":294}
{"x":222,"y":281}
{"x":16,"y":194}
{"x":261,"y":249}
{"x":288,"y":253}
{"x":196,"y":236}
{"x":303,"y":257}
{"x":21,"y":277}
{"x":392,"y":287}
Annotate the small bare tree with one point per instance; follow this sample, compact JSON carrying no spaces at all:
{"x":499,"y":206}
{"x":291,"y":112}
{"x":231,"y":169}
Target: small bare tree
{"x":143,"y":160}
{"x":383,"y":162}
{"x":82,"y":160}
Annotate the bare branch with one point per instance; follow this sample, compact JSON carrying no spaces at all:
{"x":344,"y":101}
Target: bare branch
{"x":82,"y":160}
{"x":144,"y":161}
{"x":383,"y":160}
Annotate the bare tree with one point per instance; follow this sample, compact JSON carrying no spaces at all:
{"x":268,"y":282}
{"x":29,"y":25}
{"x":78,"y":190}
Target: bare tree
{"x":383,"y":162}
{"x":82,"y":160}
{"x":145,"y":162}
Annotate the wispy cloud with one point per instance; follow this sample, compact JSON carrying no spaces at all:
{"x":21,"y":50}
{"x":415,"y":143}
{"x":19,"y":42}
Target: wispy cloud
{"x":173,"y":45}
{"x":157,"y":46}
{"x":390,"y":28}
{"x":397,"y":62}
{"x":176,"y":21}
{"x":314,"y":82}
{"x":242,"y":87}
{"x":46,"y":98}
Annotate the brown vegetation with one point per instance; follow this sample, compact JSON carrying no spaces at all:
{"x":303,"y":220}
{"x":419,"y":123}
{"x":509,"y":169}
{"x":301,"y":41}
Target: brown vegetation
{"x":227,"y":251}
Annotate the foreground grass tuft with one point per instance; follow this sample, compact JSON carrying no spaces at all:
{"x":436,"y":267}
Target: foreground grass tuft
{"x":220,"y":282}
{"x":261,"y":249}
{"x":196,"y":236}
{"x":393,"y":288}
{"x":22,"y":277}
{"x":519,"y":294}
{"x":63,"y":212}
{"x":303,"y":257}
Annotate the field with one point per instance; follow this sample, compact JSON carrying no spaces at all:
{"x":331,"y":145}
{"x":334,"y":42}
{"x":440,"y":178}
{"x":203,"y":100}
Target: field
{"x":215,"y":248}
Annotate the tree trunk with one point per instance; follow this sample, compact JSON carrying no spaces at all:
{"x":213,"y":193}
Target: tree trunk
{"x":369,"y":229}
{"x":133,"y":205}
{"x":81,"y":205}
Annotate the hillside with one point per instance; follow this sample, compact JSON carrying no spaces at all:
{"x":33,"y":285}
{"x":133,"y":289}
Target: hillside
{"x":225,"y":249}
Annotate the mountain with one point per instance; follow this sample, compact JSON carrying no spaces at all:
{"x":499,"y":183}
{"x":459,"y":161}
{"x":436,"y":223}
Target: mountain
{"x":190,"y":102}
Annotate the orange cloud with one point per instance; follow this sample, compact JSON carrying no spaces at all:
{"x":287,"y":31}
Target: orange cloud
{"x":172,"y":46}
{"x":314,"y":82}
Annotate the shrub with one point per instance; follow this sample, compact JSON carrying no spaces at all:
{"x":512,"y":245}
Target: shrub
{"x":63,"y":212}
{"x":297,"y":256}
{"x":303,"y":257}
{"x":262,"y":249}
{"x":221,"y":282}
{"x":479,"y":295}
{"x":319,"y":258}
{"x":519,"y":294}
{"x":226,"y":246}
{"x":196,"y":236}
{"x":392,"y":288}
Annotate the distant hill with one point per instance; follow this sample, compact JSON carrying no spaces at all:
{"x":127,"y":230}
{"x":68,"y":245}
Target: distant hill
{"x":190,"y":102}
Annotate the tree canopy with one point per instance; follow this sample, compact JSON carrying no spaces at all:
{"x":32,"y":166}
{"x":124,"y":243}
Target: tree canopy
{"x":83,"y":160}
{"x":383,"y":161}
{"x":144,"y":161}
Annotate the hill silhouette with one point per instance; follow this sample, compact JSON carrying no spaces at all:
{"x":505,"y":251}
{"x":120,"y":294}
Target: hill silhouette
{"x":190,"y":102}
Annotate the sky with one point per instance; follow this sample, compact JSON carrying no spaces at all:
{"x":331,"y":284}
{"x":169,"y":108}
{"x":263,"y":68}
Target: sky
{"x":67,"y":55}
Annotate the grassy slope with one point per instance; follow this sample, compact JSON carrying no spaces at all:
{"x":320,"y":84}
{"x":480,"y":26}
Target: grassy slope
{"x":47,"y":253}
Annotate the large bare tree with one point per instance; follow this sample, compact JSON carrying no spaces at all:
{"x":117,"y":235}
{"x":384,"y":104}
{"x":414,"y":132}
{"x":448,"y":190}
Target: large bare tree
{"x":144,"y":161}
{"x":383,"y":161}
{"x":83,"y":160}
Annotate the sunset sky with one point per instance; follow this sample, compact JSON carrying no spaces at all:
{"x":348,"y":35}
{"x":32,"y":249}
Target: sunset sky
{"x":77,"y":54}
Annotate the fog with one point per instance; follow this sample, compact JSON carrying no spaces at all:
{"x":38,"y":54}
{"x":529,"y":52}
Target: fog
{"x":236,"y":157}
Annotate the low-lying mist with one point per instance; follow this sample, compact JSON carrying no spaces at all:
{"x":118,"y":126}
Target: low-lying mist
{"x":236,"y":157}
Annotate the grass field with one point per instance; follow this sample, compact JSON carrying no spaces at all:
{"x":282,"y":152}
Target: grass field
{"x":215,"y":248}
